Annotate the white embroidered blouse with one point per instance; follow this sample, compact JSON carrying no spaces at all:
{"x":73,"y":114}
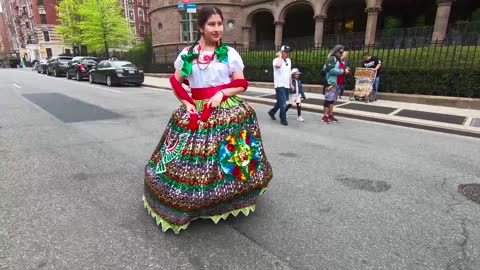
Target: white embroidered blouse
{"x":211,"y":73}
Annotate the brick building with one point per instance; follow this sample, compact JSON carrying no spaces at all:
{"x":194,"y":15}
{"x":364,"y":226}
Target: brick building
{"x":136,"y":12}
{"x":30,"y":29}
{"x":251,"y":23}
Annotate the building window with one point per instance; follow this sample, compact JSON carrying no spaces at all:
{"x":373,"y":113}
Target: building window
{"x":43,"y":18}
{"x":27,"y":25}
{"x":160,"y":26}
{"x":49,"y":53}
{"x":230,"y":24}
{"x":130,"y":15}
{"x":140,"y":2}
{"x":140,"y":15}
{"x":46,"y":36}
{"x":189,"y":26}
{"x":25,"y":10}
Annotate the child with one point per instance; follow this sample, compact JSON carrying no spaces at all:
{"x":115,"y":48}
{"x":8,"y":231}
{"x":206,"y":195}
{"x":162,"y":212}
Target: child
{"x":295,"y":94}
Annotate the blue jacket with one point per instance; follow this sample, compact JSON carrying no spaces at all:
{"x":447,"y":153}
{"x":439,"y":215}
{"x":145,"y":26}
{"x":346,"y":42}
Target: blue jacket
{"x":332,"y":69}
{"x":300,"y":87}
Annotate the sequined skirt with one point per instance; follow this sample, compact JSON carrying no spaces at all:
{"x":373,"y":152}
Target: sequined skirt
{"x":218,"y":170}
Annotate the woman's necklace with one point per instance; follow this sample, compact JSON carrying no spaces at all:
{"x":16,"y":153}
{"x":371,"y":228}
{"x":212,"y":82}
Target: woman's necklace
{"x":203,"y":63}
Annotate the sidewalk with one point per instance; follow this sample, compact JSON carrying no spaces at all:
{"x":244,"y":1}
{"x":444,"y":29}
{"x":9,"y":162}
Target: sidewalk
{"x":464,"y":122}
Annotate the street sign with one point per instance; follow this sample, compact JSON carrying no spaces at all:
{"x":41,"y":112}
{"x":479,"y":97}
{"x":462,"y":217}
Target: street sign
{"x":181,"y":6}
{"x":192,"y":8}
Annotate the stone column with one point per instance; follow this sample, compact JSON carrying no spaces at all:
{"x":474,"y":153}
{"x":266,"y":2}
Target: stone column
{"x":246,"y":36}
{"x":371,"y":25}
{"x":441,"y":20}
{"x":278,"y":33}
{"x":319,"y":26}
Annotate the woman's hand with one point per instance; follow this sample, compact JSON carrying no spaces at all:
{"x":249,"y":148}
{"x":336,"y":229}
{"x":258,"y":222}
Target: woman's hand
{"x":216,"y":99}
{"x":190,"y":107}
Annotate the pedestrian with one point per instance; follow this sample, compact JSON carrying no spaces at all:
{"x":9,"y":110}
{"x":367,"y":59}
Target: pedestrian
{"x":336,"y":71}
{"x":370,"y":61}
{"x":346,"y":63}
{"x":282,"y":77}
{"x":295,"y":94}
{"x":210,"y":161}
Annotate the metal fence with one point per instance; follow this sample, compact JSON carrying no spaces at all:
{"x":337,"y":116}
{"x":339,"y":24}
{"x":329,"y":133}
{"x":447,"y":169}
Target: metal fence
{"x":437,"y":68}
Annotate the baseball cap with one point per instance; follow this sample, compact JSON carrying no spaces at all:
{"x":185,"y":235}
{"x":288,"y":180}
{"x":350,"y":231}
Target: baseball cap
{"x":285,"y":48}
{"x":296,"y":71}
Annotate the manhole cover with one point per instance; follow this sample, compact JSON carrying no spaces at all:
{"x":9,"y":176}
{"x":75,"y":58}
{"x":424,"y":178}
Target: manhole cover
{"x":471,"y":191}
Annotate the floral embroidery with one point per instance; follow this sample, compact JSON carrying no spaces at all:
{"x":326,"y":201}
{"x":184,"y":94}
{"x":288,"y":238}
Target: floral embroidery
{"x":239,"y":155}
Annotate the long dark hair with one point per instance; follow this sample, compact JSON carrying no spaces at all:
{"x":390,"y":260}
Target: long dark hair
{"x":202,"y":17}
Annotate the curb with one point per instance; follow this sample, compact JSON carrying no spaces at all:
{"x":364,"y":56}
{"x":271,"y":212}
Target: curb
{"x":447,"y":130}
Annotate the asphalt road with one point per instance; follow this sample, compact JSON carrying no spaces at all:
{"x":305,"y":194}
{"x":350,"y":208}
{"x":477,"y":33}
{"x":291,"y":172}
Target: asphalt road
{"x":355,"y":195}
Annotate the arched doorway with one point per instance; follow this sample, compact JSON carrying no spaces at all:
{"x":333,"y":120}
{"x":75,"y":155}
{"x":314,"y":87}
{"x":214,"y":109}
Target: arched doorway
{"x":262,"y":34}
{"x":345,"y":24}
{"x":299,"y":27}
{"x":464,"y":22}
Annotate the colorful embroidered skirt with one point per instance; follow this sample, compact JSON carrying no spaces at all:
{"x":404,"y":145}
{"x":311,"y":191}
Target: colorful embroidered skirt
{"x":218,"y":170}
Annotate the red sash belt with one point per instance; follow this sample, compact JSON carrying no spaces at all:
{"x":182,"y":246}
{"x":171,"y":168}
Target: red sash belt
{"x":202,"y":94}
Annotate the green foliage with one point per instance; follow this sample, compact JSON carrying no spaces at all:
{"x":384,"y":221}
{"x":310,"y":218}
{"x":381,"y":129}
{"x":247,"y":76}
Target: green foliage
{"x":392,"y":23}
{"x":476,"y":16}
{"x":99,"y":24}
{"x":103,"y":25}
{"x":142,"y":54}
{"x":69,"y":17}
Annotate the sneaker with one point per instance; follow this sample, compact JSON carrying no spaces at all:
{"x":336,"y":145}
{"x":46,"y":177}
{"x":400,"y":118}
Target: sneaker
{"x":332,"y":119}
{"x":325,"y":120}
{"x":284,"y":122}
{"x":300,"y":119}
{"x":272,"y":115}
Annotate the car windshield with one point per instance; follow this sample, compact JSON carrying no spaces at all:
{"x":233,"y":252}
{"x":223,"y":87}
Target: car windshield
{"x":89,"y":61}
{"x":122,"y":64}
{"x":64,"y":60}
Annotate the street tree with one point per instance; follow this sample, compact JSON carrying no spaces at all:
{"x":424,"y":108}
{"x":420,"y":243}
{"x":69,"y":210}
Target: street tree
{"x":70,"y":18}
{"x":103,"y":25}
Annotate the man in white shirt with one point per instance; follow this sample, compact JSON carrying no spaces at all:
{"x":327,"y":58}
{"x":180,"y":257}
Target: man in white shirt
{"x":282,"y":78}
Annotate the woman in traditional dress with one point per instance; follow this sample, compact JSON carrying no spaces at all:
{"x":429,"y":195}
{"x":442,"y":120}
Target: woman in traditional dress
{"x":210,"y":161}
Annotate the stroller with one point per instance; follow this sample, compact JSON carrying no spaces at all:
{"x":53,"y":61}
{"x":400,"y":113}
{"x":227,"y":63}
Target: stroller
{"x":364,"y":79}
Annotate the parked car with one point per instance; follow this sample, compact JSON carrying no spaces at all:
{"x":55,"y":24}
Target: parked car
{"x":58,"y":65}
{"x":80,"y":66}
{"x":42,"y":66}
{"x":114,"y":72}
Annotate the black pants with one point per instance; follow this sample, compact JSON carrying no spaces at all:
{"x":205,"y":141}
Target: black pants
{"x":299,"y":108}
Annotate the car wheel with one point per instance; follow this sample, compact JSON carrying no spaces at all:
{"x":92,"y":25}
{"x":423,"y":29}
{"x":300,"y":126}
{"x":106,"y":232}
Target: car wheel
{"x":68,"y":76}
{"x":90,"y":78}
{"x":55,"y":73}
{"x":78,"y":77}
{"x":109,"y":81}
